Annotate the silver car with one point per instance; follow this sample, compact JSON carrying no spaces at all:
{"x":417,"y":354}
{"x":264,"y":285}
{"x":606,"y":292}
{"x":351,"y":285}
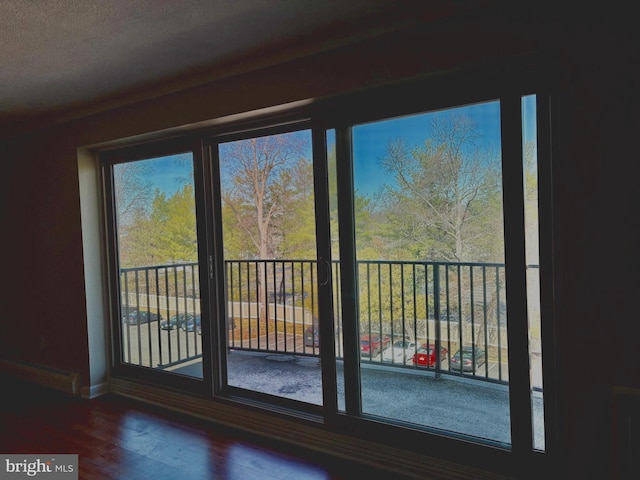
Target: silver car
{"x":400,"y":352}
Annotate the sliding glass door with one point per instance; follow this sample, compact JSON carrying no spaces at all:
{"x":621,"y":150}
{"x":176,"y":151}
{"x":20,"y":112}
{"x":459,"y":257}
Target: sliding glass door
{"x":430,"y":270}
{"x":268,"y":258}
{"x":156,"y":260}
{"x":380,"y":267}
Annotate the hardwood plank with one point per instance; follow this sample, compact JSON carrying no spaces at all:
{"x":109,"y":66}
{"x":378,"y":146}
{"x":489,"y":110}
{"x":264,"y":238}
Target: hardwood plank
{"x":117,"y":437}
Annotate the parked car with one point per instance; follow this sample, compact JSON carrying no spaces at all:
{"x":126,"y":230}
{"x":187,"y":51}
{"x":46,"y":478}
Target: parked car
{"x":425,"y":356}
{"x":372,"y":345}
{"x":311,"y":336}
{"x":192,"y":324}
{"x":128,"y":311}
{"x":143,"y":316}
{"x":198,"y":325}
{"x":468,"y":359}
{"x":453,"y":317}
{"x":176,"y":321}
{"x":400,"y":351}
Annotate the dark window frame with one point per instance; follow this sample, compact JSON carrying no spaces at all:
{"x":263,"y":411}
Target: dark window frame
{"x":340,"y":113}
{"x":138,"y":152}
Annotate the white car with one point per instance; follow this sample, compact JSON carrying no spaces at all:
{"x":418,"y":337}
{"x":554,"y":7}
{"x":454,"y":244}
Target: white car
{"x":401,"y":351}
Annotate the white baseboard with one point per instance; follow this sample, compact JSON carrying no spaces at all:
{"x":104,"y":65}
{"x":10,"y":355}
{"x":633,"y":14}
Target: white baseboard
{"x":67,"y":382}
{"x":94,"y":391}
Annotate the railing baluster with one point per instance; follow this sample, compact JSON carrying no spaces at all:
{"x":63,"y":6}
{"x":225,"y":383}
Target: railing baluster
{"x":175,"y":287}
{"x":195,"y":323}
{"x":402,"y":299}
{"x":146,"y":273}
{"x":303,"y":310}
{"x":315,"y":324}
{"x":137,"y":280}
{"x":157,"y":275}
{"x":498,"y":322}
{"x":460,"y":322}
{"x":415,"y":316}
{"x":258,"y":305}
{"x":284,"y":304}
{"x":338,"y":308}
{"x":275,"y":308}
{"x":473,"y":321}
{"x":232,"y":297}
{"x":266,"y":303}
{"x":448,"y":303}
{"x":426,"y":304}
{"x":297,"y":280}
{"x":186,"y":314}
{"x":484,"y":319}
{"x":167,"y":293}
{"x":126,"y":317}
{"x":436,"y":316}
{"x":369,"y":304}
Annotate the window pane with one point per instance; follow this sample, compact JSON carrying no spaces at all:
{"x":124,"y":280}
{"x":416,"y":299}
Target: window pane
{"x":268,"y":225}
{"x":157,"y":256}
{"x":430,"y":253}
{"x":533,"y":268}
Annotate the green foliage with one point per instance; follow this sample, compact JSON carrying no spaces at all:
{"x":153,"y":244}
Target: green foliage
{"x":297,"y":226}
{"x":165,"y":234}
{"x":178,"y":242}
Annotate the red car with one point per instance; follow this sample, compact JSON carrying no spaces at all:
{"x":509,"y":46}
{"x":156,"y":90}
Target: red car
{"x":425,"y":356}
{"x":373,"y":345}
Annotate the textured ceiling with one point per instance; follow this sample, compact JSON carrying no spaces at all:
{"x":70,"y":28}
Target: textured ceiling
{"x":61,"y":55}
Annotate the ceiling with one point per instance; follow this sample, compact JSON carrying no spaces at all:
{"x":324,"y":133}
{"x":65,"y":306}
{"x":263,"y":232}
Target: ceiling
{"x":63,"y":58}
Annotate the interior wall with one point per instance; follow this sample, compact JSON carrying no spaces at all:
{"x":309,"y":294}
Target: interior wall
{"x":95,"y":273}
{"x":43,"y":319}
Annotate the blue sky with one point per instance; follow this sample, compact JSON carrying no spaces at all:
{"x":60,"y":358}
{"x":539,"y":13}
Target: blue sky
{"x":171,"y":172}
{"x":370,"y":141}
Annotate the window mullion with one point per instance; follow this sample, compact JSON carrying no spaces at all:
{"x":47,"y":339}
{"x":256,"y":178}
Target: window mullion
{"x":515,"y":272}
{"x":348,"y":269}
{"x":216,"y":269}
{"x":204,"y":232}
{"x":545,"y":206}
{"x":324,"y":272}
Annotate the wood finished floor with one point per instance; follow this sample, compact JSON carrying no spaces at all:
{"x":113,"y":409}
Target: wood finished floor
{"x":117,"y":438}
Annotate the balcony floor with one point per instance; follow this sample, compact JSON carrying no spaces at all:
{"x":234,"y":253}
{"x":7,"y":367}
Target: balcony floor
{"x":462,"y":405}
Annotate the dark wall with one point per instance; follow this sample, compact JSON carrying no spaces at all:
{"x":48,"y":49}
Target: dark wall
{"x":42,"y":317}
{"x":596,"y":219}
{"x":597,"y":231}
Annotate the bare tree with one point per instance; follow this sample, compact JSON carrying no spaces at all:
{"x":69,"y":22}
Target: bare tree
{"x":133,"y":190}
{"x":133,"y":201}
{"x":260,"y":186}
{"x":446,"y":201}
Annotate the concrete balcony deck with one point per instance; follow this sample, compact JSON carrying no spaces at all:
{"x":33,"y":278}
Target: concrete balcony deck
{"x":472,"y":406}
{"x":449,"y":403}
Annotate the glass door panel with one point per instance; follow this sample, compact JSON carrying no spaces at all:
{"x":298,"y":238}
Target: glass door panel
{"x":158,"y":280}
{"x":270,"y":264}
{"x":430,"y":267}
{"x":530,"y":167}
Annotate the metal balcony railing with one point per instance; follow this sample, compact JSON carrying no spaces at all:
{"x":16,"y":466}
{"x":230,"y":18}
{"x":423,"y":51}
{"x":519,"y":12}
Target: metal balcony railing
{"x":408,"y":312}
